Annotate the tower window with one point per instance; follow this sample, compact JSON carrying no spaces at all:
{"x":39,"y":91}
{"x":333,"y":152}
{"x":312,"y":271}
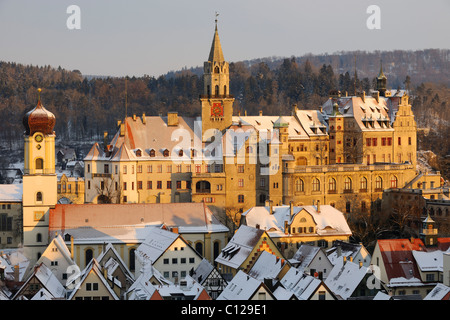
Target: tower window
{"x":216,"y":69}
{"x":39,"y":163}
{"x":217,"y":90}
{"x":39,"y":196}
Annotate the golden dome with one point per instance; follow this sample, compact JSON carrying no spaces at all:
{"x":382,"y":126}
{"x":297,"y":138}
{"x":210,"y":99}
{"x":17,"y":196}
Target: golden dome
{"x":39,"y":120}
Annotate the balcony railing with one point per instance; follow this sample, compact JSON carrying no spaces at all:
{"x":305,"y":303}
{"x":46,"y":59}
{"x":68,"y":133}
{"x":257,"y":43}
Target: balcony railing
{"x":429,"y":231}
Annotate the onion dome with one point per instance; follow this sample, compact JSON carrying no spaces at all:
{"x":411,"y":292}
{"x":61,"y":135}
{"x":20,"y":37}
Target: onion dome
{"x":39,"y":119}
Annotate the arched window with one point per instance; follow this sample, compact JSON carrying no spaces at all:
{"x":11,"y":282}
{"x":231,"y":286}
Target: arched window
{"x":393,"y":182}
{"x":216,"y":69}
{"x":88,"y":255}
{"x":378,"y":183}
{"x":363,"y":183}
{"x":199,"y":248}
{"x":299,"y":185}
{"x":203,"y":187}
{"x":39,"y":196}
{"x":39,"y":237}
{"x":332,"y":184}
{"x":316,"y":184}
{"x":347,"y":184}
{"x":132,"y":257}
{"x":208,"y":90}
{"x":216,"y":249}
{"x":217,"y":90}
{"x":39,"y":163}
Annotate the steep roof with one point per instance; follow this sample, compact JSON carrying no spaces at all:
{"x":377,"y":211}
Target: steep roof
{"x":345,"y":277}
{"x":240,"y":246}
{"x":242,"y":287}
{"x":398,"y":259}
{"x":156,"y":242}
{"x":267,"y":266}
{"x":216,"y":53}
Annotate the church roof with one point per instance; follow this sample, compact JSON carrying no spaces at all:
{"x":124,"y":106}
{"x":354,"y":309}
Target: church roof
{"x":216,"y":53}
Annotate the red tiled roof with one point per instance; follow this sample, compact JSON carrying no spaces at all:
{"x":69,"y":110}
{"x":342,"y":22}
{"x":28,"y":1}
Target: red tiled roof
{"x":398,"y":258}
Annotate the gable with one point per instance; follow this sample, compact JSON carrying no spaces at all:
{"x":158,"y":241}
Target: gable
{"x":303,"y":219}
{"x":92,"y":286}
{"x":264,"y":243}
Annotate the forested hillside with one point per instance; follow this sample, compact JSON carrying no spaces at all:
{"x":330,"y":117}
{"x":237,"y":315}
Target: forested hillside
{"x":85,"y":107}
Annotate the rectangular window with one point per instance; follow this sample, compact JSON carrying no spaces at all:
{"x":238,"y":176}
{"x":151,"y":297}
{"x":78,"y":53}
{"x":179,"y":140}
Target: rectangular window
{"x":149,"y":185}
{"x":139,"y":185}
{"x":124,"y":169}
{"x":169,"y":168}
{"x":262,"y":182}
{"x":399,"y":141}
{"x":374,"y":142}
{"x":198,"y":168}
{"x":241,"y":198}
{"x":159,"y":168}
{"x":158,"y":184}
{"x":389,"y":141}
{"x":178,"y":168}
{"x":139,"y":168}
{"x":124,"y":186}
{"x":149,"y":168}
{"x":383,"y":141}
{"x":241,"y":183}
{"x":241,"y":168}
{"x":169,"y":184}
{"x":409,"y":140}
{"x":368,"y":142}
{"x":106,"y":168}
{"x":178,"y":184}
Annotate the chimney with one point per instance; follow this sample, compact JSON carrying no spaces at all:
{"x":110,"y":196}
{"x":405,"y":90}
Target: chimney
{"x":351,"y":259}
{"x":144,"y":119}
{"x":344,"y":259}
{"x":260,"y":113}
{"x":172,"y":119}
{"x":245,"y":112}
{"x":412,"y":240}
{"x":318,"y":206}
{"x":360,"y":264}
{"x":175,"y":229}
{"x":271,"y":206}
{"x":291,"y":208}
{"x":16,"y":273}
{"x":363,"y":96}
{"x":134,"y":117}
{"x":376,"y":95}
{"x":105,"y":140}
{"x":286,"y":227}
{"x":71,"y":247}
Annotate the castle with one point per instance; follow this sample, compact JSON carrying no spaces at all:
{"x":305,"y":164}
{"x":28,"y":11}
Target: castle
{"x":344,"y":154}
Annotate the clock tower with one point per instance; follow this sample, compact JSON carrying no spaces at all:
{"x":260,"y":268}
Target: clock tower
{"x":217,"y":103}
{"x":39,"y":179}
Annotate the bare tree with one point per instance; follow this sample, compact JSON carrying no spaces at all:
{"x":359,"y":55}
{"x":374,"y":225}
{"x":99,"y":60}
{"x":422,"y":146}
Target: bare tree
{"x":109,"y":191}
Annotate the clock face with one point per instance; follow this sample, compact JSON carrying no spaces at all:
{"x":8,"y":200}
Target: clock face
{"x":39,"y":138}
{"x":217,"y":109}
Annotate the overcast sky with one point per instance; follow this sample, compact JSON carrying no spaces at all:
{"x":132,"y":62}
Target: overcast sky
{"x":137,"y":37}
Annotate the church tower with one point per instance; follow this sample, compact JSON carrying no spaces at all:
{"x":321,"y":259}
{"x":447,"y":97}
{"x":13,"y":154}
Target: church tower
{"x":381,"y":82}
{"x":217,"y":103}
{"x":39,"y":179}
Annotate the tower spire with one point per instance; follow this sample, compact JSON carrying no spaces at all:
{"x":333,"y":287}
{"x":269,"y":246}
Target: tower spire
{"x":216,"y":54}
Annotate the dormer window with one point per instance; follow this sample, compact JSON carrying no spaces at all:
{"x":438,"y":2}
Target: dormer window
{"x":138,"y":153}
{"x":180,"y":153}
{"x":166,"y":153}
{"x":152,"y":153}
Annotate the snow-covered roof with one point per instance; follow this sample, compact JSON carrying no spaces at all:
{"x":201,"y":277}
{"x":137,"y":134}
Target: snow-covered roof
{"x":345,"y":277}
{"x":439,"y":292}
{"x":11,"y":258}
{"x":328,"y":220}
{"x":300,"y":283}
{"x":48,"y":280}
{"x":203,"y":270}
{"x":188,"y":217}
{"x":304,"y":256}
{"x":11,"y":192}
{"x":240,"y":246}
{"x":267,"y":266}
{"x":241,"y":287}
{"x":429,"y":261}
{"x":156,"y":242}
{"x":187,"y":287}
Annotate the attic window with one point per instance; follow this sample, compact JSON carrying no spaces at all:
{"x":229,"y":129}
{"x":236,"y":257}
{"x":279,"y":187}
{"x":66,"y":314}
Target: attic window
{"x":152,"y":153}
{"x":166,"y":153}
{"x":180,"y":153}
{"x":138,"y":153}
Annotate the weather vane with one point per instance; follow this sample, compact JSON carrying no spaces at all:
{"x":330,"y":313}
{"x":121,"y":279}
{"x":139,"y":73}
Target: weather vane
{"x":217,"y":14}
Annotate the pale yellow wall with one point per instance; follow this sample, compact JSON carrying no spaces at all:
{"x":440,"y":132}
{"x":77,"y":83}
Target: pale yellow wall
{"x":93,"y":294}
